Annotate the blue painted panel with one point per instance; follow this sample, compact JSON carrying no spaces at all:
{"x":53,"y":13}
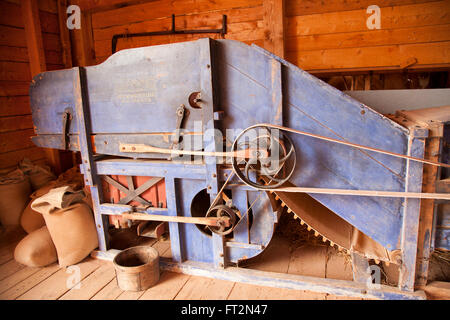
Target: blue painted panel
{"x":139,"y":90}
{"x":314,"y":106}
{"x":50,"y":94}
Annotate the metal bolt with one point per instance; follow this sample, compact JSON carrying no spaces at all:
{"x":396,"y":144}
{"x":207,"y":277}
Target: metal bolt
{"x":214,"y":175}
{"x":209,"y":187}
{"x":208,"y":66}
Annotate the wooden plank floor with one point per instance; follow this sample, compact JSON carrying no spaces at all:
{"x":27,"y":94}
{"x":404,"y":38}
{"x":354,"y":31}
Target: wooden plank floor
{"x":98,"y":281}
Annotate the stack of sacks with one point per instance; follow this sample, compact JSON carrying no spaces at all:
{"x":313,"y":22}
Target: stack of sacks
{"x":60,"y":224}
{"x":39,"y":175}
{"x":70,"y":222}
{"x":14,"y":194}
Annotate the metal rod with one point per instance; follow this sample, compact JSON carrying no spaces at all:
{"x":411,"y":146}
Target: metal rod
{"x":115,"y":37}
{"x":434,"y":163}
{"x":209,"y":221}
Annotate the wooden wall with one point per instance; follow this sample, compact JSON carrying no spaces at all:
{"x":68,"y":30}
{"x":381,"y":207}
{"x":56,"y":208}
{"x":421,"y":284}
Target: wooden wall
{"x":320,"y":37}
{"x":16,"y":125}
{"x":332,"y":36}
{"x":245,"y":22}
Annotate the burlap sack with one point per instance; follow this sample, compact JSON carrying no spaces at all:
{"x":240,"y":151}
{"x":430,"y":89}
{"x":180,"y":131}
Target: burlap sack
{"x":36,"y":249}
{"x":73,"y":233}
{"x":39,"y":175}
{"x":14,"y":195}
{"x":32,"y":220}
{"x":70,"y":222}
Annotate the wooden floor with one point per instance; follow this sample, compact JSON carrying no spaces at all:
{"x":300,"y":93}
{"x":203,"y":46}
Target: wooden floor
{"x":98,"y":280}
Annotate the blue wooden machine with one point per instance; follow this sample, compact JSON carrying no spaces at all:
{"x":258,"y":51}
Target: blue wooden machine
{"x":183,"y":112}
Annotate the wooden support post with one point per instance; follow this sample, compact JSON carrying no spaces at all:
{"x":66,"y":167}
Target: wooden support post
{"x":64,"y":34}
{"x":36,"y":56}
{"x":274,"y":26}
{"x":83,"y":39}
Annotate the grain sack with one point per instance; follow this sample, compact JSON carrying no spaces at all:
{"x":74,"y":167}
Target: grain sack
{"x":36,"y":249}
{"x":14,"y":195}
{"x":32,"y":220}
{"x":39,"y":175}
{"x":70,"y":222}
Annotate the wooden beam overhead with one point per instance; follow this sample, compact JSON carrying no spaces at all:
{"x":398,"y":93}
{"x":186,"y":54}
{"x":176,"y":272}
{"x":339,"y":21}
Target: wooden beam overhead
{"x":274,"y":26}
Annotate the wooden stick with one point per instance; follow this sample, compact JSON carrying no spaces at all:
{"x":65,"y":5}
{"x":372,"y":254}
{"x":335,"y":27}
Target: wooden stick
{"x":143,"y":148}
{"x":368,"y":193}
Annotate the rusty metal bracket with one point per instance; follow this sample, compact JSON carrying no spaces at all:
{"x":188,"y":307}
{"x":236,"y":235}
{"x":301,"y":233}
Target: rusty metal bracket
{"x":115,"y":37}
{"x":66,"y":117}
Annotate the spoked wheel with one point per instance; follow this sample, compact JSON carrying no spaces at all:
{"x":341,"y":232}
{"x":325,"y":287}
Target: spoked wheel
{"x":221,"y":211}
{"x":272,"y":160}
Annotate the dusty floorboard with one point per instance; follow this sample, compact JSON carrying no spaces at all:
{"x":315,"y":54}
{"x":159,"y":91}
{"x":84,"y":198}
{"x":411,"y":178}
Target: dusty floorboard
{"x":98,"y":281}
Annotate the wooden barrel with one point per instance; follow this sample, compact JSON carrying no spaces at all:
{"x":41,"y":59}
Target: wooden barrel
{"x":137,"y":268}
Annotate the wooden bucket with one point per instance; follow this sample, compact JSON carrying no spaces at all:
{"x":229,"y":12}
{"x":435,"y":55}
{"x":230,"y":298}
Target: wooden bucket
{"x":137,"y":268}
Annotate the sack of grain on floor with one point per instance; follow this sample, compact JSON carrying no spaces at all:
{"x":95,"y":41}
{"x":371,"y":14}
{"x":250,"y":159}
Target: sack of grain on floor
{"x":36,"y":249}
{"x":39,"y":175}
{"x":32,"y":220}
{"x":70,"y":222}
{"x":15,"y":190}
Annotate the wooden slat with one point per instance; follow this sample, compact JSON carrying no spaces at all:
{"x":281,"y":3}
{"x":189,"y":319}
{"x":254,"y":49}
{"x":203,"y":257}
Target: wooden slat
{"x":9,"y":268}
{"x":16,"y":140}
{"x":16,"y":278}
{"x":14,"y":71}
{"x":201,"y":288}
{"x":14,"y":88}
{"x":20,"y":54}
{"x":13,"y":54}
{"x":7,"y":252}
{"x":383,"y":57}
{"x":208,"y":20}
{"x":92,"y":284}
{"x":110,"y":292}
{"x":306,"y":7}
{"x":167,"y":288}
{"x":16,"y":37}
{"x":14,"y":106}
{"x":56,"y":285}
{"x":165,"y":8}
{"x":10,"y":159}
{"x":44,"y":5}
{"x":245,"y":31}
{"x":103,"y":5}
{"x":418,"y":15}
{"x":274,"y":26}
{"x":30,"y":282}
{"x":15,"y":123}
{"x":370,"y":38}
{"x":13,"y":17}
